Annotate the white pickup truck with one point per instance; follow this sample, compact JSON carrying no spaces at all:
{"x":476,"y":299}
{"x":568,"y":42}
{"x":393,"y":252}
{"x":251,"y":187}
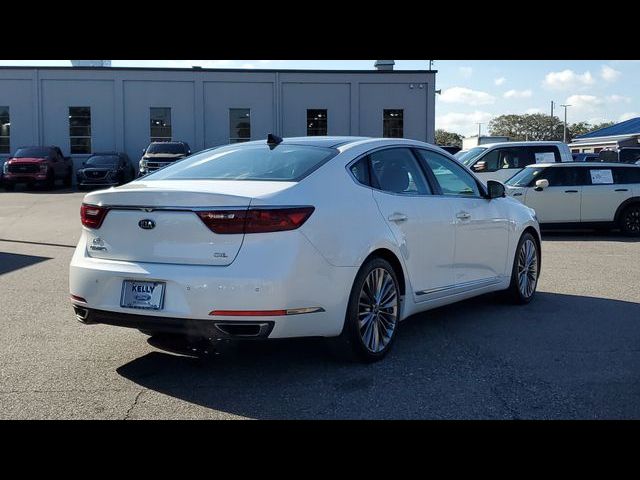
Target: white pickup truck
{"x":501,"y":161}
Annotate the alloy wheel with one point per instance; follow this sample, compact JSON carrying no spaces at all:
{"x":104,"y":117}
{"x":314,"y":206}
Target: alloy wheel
{"x":527,"y":268}
{"x":632,"y":220}
{"x":377,"y":310}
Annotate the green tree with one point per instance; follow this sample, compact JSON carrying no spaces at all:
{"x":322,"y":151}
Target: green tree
{"x":448,"y":138}
{"x":581,"y":128}
{"x":532,"y":126}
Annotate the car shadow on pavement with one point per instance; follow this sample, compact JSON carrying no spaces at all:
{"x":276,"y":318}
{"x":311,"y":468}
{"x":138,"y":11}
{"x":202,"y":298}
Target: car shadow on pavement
{"x":14,"y":261}
{"x":586,"y":236}
{"x":561,"y":356}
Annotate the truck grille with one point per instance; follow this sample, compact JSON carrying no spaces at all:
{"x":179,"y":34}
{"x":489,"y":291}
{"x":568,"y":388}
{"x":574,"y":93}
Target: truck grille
{"x":24,"y":168}
{"x":153,"y":166}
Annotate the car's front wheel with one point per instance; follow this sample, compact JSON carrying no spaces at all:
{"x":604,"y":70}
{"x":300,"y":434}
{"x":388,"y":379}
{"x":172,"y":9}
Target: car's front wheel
{"x":525,"y":270}
{"x":630,"y":220}
{"x":373,"y":313}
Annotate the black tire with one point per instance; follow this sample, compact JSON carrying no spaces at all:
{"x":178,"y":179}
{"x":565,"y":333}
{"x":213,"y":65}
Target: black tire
{"x":68,"y":179}
{"x":514,"y":293}
{"x":350,"y":345}
{"x":9,"y":187}
{"x":50,"y":182}
{"x":630,"y":220}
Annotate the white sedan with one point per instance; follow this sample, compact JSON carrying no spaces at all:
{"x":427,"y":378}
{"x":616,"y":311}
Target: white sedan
{"x":339,"y":237}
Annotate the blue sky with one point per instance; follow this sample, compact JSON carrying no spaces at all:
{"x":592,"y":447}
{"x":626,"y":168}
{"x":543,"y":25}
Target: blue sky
{"x":477,"y":90}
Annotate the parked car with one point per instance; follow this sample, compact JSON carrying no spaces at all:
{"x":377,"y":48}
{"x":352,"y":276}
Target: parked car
{"x":242,"y":241}
{"x":160,"y":154}
{"x":500,"y":161}
{"x":581,"y":194}
{"x":585,"y":157}
{"x":106,"y":169}
{"x":452,"y":149}
{"x":37,"y":165}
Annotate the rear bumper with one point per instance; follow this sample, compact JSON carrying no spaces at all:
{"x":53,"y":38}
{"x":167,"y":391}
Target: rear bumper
{"x":284,"y":272}
{"x":182,"y":326}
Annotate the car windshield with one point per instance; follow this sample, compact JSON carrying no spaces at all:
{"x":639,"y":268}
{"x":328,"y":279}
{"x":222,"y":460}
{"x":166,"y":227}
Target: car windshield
{"x":102,"y":161}
{"x":470,"y":155}
{"x":32,"y":152}
{"x":287,"y":163}
{"x":167,"y":148}
{"x":524,"y":177}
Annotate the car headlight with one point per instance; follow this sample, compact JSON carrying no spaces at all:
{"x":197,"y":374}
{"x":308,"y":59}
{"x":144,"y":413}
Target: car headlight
{"x":5,"y":167}
{"x":143,"y":164}
{"x":43,"y":168}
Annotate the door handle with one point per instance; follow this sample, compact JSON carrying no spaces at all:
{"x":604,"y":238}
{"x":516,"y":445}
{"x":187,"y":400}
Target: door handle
{"x":622,"y":189}
{"x":517,"y":194}
{"x":571,"y":191}
{"x":398,"y":217}
{"x":463,"y":215}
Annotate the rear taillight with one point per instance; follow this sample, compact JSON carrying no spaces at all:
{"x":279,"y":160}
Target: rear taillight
{"x":256,"y":220}
{"x":92,"y":216}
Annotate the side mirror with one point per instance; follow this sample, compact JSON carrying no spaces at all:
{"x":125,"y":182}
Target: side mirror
{"x":480,"y":166}
{"x":495,"y":189}
{"x":541,"y":184}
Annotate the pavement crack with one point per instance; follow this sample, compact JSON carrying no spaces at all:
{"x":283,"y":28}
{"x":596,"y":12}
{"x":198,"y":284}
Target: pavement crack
{"x":135,"y":402}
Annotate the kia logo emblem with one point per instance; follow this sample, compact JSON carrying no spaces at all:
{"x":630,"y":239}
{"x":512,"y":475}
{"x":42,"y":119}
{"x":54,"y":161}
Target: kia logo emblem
{"x":147,"y":224}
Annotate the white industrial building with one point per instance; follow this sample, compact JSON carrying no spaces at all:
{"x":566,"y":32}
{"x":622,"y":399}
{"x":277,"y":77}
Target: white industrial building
{"x":101,"y":108}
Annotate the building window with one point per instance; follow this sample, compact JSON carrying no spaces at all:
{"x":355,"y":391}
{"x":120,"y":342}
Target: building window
{"x":5,"y":126}
{"x":80,"y":130}
{"x":393,"y":123}
{"x":239,"y":125}
{"x":316,"y":122}
{"x":160,"y":130}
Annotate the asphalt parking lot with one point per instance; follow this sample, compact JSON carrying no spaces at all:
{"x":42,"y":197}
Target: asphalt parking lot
{"x":574,"y":352}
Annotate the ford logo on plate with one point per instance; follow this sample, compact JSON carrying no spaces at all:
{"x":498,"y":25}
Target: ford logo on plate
{"x":142,"y":297}
{"x":147,"y":224}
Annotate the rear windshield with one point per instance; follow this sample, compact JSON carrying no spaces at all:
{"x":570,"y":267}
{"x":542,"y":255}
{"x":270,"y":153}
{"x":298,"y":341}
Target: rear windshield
{"x":167,"y":148}
{"x":102,"y":160}
{"x":32,"y":152}
{"x":248,"y":162}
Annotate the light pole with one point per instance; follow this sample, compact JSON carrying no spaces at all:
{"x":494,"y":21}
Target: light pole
{"x":552,"y":104}
{"x":565,"y":122}
{"x":479,"y":129}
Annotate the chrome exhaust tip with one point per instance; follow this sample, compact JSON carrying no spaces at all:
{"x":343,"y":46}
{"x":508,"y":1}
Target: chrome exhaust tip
{"x":244,"y":330}
{"x":81,"y":313}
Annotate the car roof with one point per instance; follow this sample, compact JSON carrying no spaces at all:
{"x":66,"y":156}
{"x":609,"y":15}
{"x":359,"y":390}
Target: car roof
{"x":520,"y":144}
{"x":582,"y":164}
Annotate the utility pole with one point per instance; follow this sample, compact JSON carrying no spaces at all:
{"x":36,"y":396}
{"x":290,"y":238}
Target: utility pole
{"x":552,"y":102}
{"x":479,"y":129}
{"x":431,"y":62}
{"x":565,"y":122}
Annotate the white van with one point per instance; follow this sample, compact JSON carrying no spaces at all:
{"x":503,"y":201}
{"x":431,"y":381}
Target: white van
{"x":501,"y":161}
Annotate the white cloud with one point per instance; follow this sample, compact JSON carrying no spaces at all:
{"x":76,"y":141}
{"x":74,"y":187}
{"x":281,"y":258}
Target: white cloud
{"x":499,"y":81}
{"x":465,"y":71}
{"x":463,"y":123}
{"x":618,"y":98}
{"x":585,"y":103}
{"x":466,"y":96}
{"x":609,"y":74}
{"x":628,"y":116}
{"x":567,"y":79}
{"x":530,"y":111}
{"x":518,"y":94}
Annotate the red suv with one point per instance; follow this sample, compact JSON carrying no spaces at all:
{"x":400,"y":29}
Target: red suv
{"x":43,"y":165}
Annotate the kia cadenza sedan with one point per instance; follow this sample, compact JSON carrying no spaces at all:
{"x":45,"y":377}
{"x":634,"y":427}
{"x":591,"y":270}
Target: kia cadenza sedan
{"x":336,"y":237}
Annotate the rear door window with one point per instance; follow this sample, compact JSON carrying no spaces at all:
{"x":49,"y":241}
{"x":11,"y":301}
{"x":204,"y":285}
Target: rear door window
{"x":509,"y":157}
{"x":545,"y":154}
{"x":396,"y":170}
{"x":360,"y":171}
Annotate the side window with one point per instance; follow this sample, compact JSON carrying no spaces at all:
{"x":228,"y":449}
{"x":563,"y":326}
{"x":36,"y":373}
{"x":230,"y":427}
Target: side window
{"x":451,"y":177}
{"x":600,"y":176}
{"x":518,"y":157}
{"x":565,"y":176}
{"x":396,"y":170}
{"x":625,"y":175}
{"x":488,"y":162}
{"x":548,"y":154}
{"x":360,"y":170}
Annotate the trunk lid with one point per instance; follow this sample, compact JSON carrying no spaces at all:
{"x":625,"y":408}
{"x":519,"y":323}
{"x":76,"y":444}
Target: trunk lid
{"x":177,"y":234}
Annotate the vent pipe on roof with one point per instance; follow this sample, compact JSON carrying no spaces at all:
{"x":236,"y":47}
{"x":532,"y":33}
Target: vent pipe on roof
{"x":384,"y":64}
